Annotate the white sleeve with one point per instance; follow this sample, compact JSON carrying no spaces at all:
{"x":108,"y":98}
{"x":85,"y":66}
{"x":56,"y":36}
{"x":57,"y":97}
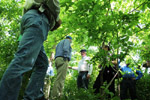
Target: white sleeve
{"x":90,"y":69}
{"x":75,"y":68}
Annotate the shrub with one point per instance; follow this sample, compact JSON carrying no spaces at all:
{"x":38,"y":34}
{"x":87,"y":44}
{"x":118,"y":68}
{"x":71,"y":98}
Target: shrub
{"x":143,"y":88}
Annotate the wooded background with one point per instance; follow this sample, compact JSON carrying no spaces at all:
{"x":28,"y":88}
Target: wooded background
{"x":122,"y":24}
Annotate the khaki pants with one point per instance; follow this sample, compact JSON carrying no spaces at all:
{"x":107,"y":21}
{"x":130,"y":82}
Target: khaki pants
{"x":61,"y":67}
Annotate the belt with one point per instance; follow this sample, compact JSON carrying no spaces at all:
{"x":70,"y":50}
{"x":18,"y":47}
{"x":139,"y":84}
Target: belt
{"x":127,"y":78}
{"x":59,"y":56}
{"x":83,"y":71}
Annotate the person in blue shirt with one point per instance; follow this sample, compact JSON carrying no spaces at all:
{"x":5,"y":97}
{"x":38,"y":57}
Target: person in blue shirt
{"x":129,"y":80}
{"x":62,"y":57}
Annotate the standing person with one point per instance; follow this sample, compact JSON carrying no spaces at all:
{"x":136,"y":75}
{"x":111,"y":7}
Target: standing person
{"x":106,"y":73}
{"x":35,"y":24}
{"x":84,"y":69}
{"x":146,"y":67}
{"x":48,"y":78}
{"x":129,"y":81}
{"x":62,"y":57}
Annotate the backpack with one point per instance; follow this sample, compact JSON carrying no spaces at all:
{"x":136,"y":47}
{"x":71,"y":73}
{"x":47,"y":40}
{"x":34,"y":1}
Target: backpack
{"x":49,"y":7}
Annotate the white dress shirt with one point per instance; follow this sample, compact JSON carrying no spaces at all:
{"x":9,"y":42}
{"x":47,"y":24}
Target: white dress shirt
{"x":84,"y":65}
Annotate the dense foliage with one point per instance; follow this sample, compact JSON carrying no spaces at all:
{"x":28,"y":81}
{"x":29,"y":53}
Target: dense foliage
{"x":143,"y":88}
{"x":123,"y":24}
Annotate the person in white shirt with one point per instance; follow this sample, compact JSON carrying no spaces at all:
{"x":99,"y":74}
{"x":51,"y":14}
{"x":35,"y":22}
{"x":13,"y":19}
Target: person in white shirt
{"x":84,"y":69}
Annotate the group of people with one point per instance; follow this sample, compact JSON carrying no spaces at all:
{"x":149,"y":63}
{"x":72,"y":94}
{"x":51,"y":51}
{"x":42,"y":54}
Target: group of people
{"x":37,"y":21}
{"x":62,"y":57}
{"x":109,"y":73}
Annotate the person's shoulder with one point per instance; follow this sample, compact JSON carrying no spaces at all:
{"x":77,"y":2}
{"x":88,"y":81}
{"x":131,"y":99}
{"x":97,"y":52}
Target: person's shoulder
{"x":62,"y":41}
{"x":66,"y":40}
{"x":88,"y":58}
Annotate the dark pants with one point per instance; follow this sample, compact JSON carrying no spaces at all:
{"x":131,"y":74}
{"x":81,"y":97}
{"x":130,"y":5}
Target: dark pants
{"x":106,"y":78}
{"x":30,"y":54}
{"x":82,"y":81}
{"x":128,"y":84}
{"x":97,"y":84}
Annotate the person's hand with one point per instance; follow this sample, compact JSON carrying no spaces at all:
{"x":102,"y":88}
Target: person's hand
{"x":133,"y":79}
{"x":56,"y":25}
{"x":66,"y":59}
{"x":114,"y":62}
{"x":70,"y":67}
{"x":88,"y":76}
{"x":99,"y":66}
{"x":148,"y":63}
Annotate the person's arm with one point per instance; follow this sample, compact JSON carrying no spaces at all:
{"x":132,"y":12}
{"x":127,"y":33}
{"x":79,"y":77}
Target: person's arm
{"x":91,"y":69}
{"x":139,"y":75}
{"x":75,"y":68}
{"x":57,"y":24}
{"x":56,"y":9}
{"x":54,"y":4}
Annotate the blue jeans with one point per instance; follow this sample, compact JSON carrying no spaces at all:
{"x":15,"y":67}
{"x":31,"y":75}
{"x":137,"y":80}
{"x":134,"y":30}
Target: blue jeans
{"x":30,"y":54}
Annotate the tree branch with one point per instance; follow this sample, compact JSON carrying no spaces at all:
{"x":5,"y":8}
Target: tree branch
{"x":138,"y":7}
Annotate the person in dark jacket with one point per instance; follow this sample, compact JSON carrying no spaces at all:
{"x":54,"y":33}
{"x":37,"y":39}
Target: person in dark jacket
{"x":106,"y":74}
